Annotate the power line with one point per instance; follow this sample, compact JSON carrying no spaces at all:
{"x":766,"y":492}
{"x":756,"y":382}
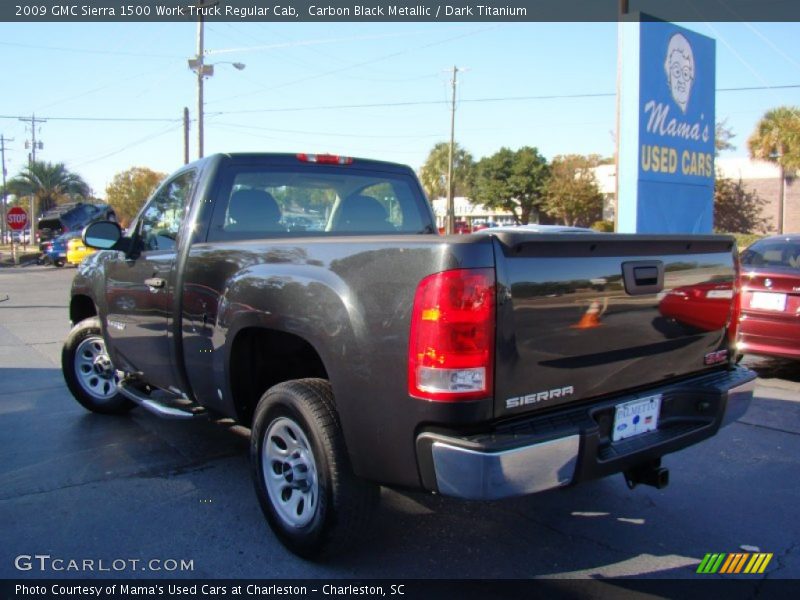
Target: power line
{"x":390,"y":105}
{"x":107,"y":119}
{"x":142,"y":140}
{"x":327,"y":133}
{"x":358,"y":64}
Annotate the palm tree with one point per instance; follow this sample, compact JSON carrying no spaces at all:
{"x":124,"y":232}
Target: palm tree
{"x":777,"y":137}
{"x":49,"y":183}
{"x":433,"y":173}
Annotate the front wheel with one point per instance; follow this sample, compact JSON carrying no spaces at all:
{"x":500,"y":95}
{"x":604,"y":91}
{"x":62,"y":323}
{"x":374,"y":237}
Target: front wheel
{"x":88,"y":371}
{"x":307,"y":491}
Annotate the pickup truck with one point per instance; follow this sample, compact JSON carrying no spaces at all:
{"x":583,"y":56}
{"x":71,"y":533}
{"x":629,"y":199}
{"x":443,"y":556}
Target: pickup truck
{"x":311,"y":299}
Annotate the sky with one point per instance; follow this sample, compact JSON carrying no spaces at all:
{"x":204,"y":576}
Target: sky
{"x":373,"y":90}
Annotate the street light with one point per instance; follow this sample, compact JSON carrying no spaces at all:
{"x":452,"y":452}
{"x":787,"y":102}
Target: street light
{"x":203,"y":70}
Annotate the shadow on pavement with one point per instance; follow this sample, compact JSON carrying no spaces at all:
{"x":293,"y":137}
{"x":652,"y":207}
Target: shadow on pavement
{"x":774,"y":368}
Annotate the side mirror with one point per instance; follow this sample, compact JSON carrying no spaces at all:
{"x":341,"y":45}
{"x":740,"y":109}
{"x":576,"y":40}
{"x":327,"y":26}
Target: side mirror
{"x":103,"y":235}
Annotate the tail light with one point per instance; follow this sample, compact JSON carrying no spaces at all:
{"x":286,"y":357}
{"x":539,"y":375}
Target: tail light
{"x":325,"y":159}
{"x":736,"y":308}
{"x":451,"y":344}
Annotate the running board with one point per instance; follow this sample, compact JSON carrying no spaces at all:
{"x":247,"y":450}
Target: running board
{"x":158,"y":407}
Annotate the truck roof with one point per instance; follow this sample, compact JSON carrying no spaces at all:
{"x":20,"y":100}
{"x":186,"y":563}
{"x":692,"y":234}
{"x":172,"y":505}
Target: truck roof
{"x":295,"y":157}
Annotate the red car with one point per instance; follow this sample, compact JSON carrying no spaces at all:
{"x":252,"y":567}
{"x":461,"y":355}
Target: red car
{"x":770,"y":302}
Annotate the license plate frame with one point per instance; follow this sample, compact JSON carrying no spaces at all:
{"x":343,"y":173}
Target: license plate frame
{"x":636,"y":417}
{"x":771,"y":301}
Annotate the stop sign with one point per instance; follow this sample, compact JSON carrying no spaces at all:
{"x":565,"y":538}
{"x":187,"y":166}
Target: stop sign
{"x":17,"y":218}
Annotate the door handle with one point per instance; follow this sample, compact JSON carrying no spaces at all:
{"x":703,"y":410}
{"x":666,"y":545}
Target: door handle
{"x":155,"y":282}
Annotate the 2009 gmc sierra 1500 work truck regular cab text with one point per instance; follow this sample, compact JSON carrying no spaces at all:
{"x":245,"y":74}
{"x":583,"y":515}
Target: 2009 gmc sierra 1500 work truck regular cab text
{"x":311,"y":299}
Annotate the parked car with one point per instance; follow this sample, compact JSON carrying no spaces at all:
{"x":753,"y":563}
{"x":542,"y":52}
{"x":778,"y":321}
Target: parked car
{"x":483,"y":225}
{"x":55,"y":250}
{"x":21,"y":237}
{"x":77,"y":250}
{"x":73,"y":216}
{"x":770,"y":298}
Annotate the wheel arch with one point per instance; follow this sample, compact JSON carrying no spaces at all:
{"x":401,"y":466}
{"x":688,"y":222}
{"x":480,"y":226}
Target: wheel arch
{"x":259,"y":358}
{"x":81,"y":307}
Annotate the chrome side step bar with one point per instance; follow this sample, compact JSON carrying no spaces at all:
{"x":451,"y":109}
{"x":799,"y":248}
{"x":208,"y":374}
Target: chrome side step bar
{"x":160,"y":408}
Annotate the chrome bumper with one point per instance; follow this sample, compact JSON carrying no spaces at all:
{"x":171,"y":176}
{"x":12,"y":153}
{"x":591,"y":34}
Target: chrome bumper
{"x":480,"y":474}
{"x":491,"y":475}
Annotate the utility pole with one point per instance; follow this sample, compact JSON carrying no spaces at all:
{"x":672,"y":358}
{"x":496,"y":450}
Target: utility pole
{"x":450,"y":223}
{"x":31,"y":160}
{"x":185,"y":135}
{"x":623,"y":11}
{"x":4,"y":225}
{"x":197,"y":64}
{"x":200,"y":76}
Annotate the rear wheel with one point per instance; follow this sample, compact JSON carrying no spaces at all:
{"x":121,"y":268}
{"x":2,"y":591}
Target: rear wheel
{"x":307,"y":491}
{"x":88,"y":370}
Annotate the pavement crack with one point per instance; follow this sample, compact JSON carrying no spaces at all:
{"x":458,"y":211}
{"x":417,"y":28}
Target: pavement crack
{"x":29,"y":390}
{"x":570,"y":536}
{"x":148,"y":473}
{"x":781,"y":560}
{"x":768,"y":427}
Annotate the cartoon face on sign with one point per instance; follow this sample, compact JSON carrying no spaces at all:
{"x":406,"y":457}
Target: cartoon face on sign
{"x":680,"y":69}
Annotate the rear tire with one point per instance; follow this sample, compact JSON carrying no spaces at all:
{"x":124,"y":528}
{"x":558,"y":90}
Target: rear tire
{"x":313,"y":502}
{"x":88,"y":371}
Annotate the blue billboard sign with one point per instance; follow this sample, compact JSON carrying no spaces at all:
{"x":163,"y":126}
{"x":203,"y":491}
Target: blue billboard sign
{"x":666,"y":166}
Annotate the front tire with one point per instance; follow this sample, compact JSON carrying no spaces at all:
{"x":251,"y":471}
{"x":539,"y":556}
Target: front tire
{"x":88,"y":371}
{"x":313,"y":502}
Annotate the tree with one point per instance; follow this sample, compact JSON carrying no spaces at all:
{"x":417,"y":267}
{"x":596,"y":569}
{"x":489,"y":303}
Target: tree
{"x":49,"y":183}
{"x":722,"y":137}
{"x":572,"y":194}
{"x":129,"y":190}
{"x":513,"y":181}
{"x":777,"y":137}
{"x":433,"y":173}
{"x":737,"y":210}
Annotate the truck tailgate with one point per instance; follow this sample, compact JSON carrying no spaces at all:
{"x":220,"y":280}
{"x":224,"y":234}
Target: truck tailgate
{"x":583,"y":316}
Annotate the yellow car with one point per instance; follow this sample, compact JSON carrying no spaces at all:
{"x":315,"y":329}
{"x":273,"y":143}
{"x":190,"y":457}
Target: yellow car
{"x":76,"y":251}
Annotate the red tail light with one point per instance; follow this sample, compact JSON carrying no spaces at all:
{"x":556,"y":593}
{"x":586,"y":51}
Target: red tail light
{"x":451,"y":345}
{"x":325,"y":159}
{"x":736,"y":308}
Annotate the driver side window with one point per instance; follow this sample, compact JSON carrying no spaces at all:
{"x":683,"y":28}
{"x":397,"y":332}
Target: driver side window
{"x":161,"y":220}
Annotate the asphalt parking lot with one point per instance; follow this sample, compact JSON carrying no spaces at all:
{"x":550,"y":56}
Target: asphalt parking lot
{"x":80,"y":486}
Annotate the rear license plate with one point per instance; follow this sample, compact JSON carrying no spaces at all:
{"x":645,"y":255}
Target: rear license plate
{"x":768,"y":301}
{"x":635,"y":417}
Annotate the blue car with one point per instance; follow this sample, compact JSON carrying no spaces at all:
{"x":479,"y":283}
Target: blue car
{"x":55,"y":250}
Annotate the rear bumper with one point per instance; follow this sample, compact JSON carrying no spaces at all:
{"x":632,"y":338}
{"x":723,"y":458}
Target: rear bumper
{"x":563,"y":448}
{"x":770,"y":336}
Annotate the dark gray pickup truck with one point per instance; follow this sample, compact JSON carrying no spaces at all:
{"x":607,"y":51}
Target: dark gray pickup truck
{"x":311,"y":299}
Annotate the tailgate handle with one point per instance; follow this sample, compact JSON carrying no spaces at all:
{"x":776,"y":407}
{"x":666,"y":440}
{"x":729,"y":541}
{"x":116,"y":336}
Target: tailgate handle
{"x":643,"y":277}
{"x":155,"y":282}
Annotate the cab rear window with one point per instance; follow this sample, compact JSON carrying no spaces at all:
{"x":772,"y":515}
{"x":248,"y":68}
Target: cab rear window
{"x":264,"y":202}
